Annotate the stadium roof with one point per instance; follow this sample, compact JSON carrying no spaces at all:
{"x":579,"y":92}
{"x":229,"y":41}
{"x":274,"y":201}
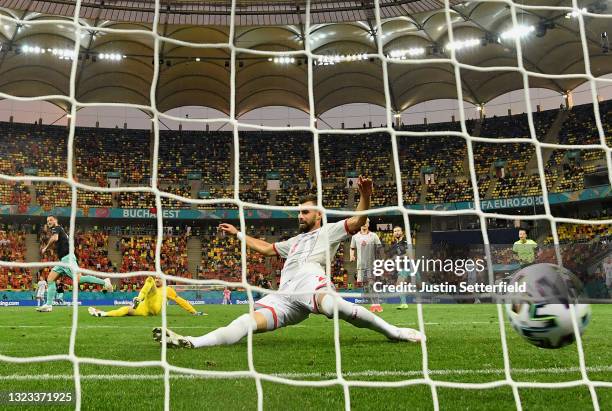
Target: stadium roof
{"x":118,"y":67}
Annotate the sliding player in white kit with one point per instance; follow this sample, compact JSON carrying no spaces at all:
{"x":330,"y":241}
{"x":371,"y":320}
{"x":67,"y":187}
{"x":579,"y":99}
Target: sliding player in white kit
{"x":303,"y":272}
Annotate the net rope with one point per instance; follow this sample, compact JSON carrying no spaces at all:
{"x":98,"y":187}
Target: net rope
{"x":81,"y":26}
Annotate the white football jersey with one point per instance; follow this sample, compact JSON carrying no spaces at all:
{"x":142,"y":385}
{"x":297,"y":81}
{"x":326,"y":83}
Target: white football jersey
{"x":42,"y":287}
{"x":365,"y":246}
{"x":310,"y":248}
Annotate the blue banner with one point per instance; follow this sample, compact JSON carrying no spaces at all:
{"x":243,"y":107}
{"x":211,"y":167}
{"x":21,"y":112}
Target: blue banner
{"x":593,"y":193}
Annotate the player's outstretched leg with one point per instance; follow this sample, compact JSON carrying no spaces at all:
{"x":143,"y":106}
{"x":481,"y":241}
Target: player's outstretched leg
{"x":106,"y":284}
{"x":230,"y":334}
{"x":362,"y":318}
{"x":119,"y":312}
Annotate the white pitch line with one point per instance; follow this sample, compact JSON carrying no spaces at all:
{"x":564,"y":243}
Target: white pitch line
{"x":368,"y":373}
{"x":209,"y":326}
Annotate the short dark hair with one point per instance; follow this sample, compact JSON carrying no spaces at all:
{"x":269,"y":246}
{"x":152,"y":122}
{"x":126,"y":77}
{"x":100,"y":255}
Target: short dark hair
{"x":308,"y":198}
{"x":400,"y":227}
{"x":51,"y":215}
{"x":525,"y":230}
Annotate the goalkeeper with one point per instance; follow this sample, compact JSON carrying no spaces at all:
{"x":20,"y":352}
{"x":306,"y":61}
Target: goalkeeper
{"x":148,"y":302}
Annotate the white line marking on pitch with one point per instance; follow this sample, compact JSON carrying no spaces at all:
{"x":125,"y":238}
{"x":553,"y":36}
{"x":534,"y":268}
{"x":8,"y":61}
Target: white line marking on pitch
{"x":368,"y":373}
{"x":209,"y":326}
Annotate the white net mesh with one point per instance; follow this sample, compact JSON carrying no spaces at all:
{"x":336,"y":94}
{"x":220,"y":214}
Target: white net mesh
{"x":340,"y":377}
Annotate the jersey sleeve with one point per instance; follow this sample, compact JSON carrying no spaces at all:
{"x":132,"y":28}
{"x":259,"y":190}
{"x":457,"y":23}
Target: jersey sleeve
{"x":353,"y":242}
{"x":376,"y":240}
{"x":337,"y":232}
{"x":282,"y":248}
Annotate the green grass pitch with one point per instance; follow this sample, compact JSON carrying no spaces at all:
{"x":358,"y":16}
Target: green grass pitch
{"x":463,"y":346}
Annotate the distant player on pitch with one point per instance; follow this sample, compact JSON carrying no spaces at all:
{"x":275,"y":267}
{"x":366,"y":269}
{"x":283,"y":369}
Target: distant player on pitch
{"x":148,"y":302}
{"x":400,"y":248}
{"x":302,"y":273}
{"x":61,"y":241}
{"x":227,"y":296}
{"x":41,"y":289}
{"x":365,"y":248}
{"x":59,"y":297}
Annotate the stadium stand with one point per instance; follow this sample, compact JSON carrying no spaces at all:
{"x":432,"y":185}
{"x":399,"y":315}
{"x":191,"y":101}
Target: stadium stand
{"x":12,"y":248}
{"x":138,"y":254}
{"x":286,"y":154}
{"x":207,"y":156}
{"x":186,"y":152}
{"x":28,"y":146}
{"x":99,"y":151}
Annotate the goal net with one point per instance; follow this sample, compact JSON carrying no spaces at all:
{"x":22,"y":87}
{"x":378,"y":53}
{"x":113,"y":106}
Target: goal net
{"x":426,"y":377}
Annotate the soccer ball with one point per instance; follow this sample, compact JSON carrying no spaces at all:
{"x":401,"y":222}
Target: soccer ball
{"x":544,"y":319}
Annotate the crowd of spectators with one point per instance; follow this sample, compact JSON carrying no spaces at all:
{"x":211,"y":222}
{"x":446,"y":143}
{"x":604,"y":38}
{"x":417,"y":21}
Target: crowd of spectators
{"x":444,"y":155}
{"x":15,"y":193}
{"x":42,"y":148}
{"x":368,"y":155}
{"x":138,"y":254}
{"x":576,"y":233}
{"x":91,"y":250}
{"x":208,"y":157}
{"x":449,"y":191}
{"x":262,"y":153}
{"x":99,"y":151}
{"x":412,"y":191}
{"x":517,"y":184}
{"x":221,"y":258}
{"x":566,"y":169}
{"x":179,"y":190}
{"x":517,"y":126}
{"x":187,"y":152}
{"x":140,"y":199}
{"x":53,"y":194}
{"x":13,"y":248}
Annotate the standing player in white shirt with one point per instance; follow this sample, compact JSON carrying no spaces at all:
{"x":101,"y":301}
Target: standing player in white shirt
{"x":607,"y":267}
{"x":41,"y":290}
{"x":303,"y":272}
{"x":365,"y":248}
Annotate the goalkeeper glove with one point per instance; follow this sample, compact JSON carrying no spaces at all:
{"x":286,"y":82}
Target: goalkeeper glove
{"x":136,"y":302}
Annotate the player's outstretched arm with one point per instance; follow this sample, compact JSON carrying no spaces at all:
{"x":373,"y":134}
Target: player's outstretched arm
{"x":53,"y":239}
{"x":256,"y":244}
{"x":365,"y":194}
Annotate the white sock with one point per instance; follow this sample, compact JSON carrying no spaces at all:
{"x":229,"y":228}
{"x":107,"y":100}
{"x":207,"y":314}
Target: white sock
{"x":230,"y":334}
{"x":358,"y":316}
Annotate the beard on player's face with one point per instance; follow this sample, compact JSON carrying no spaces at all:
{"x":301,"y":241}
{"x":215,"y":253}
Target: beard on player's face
{"x":306,"y":224}
{"x":307,"y":220}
